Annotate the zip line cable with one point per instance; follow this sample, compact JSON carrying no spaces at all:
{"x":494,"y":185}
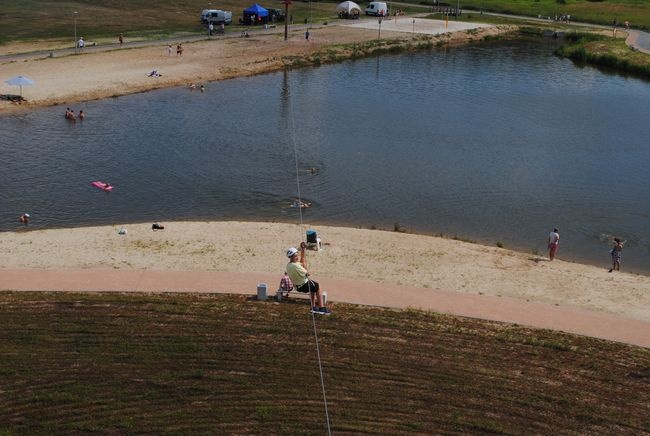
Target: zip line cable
{"x":313,"y":315}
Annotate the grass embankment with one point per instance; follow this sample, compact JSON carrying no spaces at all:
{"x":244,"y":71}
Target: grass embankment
{"x":637,"y":12}
{"x":605,"y":52}
{"x":77,"y":363}
{"x":340,"y":52}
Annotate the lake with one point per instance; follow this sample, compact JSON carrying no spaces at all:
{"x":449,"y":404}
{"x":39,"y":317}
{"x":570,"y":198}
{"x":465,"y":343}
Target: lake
{"x":490,"y":142}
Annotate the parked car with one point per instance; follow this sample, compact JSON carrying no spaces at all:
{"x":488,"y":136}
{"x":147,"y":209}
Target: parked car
{"x":216,"y":16}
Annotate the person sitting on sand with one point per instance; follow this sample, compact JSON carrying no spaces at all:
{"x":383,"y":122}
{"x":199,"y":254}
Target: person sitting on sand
{"x":297,"y":272}
{"x":24,"y":218}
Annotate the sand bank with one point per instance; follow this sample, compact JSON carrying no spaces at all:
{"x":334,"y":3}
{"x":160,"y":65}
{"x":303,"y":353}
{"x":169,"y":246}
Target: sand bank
{"x":357,"y":254}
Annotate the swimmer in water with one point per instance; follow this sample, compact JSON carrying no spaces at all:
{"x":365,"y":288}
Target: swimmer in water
{"x":24,"y":218}
{"x":301,"y":204}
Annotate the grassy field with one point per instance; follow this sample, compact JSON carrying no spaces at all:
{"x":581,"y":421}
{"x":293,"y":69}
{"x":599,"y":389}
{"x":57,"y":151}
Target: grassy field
{"x":116,"y":363}
{"x":29,"y":20}
{"x":51,"y":19}
{"x":600,"y":12}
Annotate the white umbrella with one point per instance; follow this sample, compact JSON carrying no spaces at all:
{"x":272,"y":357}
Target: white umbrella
{"x":348,"y":7}
{"x":20,"y":81}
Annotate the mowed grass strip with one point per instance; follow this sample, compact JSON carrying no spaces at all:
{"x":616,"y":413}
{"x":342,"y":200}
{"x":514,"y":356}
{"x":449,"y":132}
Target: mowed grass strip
{"x":131,"y":363}
{"x":42,"y":20}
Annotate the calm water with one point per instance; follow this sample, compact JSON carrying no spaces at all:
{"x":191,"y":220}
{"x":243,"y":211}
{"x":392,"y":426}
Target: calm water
{"x":491,"y":143}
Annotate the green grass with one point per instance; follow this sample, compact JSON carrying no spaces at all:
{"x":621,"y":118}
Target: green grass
{"x":605,"y":52}
{"x":30,"y":20}
{"x":38,"y":20}
{"x":599,"y":12}
{"x":218,"y":364}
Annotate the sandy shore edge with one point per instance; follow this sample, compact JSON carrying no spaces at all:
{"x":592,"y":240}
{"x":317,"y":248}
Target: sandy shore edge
{"x":348,"y":254}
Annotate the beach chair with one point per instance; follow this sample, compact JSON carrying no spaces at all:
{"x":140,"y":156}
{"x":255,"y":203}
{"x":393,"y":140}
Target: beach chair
{"x":313,"y":241}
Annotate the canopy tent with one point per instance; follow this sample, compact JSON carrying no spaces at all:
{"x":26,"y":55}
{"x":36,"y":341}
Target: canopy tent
{"x":256,"y":10}
{"x":20,"y":81}
{"x":348,"y":7}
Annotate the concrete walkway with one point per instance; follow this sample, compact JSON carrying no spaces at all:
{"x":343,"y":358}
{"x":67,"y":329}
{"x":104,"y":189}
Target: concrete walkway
{"x":511,"y":310}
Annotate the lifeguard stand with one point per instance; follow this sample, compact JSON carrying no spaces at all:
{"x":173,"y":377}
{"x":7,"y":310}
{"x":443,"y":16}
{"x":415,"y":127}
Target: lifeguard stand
{"x":313,"y":241}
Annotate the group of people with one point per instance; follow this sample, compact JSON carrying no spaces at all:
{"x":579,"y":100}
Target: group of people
{"x":211,"y":29}
{"x":615,"y":251}
{"x":70,"y":115}
{"x":179,"y":50}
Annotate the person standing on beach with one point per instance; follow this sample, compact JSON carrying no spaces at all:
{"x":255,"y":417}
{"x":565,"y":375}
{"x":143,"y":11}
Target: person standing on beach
{"x":553,"y":242}
{"x":169,"y":50}
{"x":616,"y":254}
{"x":120,"y":38}
{"x":297,"y":272}
{"x":307,"y":35}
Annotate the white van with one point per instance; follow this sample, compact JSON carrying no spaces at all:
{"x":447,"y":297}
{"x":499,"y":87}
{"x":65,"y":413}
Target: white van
{"x":379,"y":9}
{"x":216,"y":16}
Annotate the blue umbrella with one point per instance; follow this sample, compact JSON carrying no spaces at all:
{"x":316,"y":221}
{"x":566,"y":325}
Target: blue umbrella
{"x":20,"y":81}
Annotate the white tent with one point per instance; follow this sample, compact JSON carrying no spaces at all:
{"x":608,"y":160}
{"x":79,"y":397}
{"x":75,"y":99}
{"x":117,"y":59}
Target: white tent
{"x":348,"y":7}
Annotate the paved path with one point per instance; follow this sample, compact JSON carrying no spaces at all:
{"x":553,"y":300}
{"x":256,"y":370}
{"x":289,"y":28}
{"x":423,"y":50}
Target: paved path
{"x":511,"y":310}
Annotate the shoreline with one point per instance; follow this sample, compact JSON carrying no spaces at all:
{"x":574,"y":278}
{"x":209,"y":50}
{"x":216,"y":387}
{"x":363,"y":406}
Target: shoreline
{"x":376,"y":256}
{"x":122,"y":71}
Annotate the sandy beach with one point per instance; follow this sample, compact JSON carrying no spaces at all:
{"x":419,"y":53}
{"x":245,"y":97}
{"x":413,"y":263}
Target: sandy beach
{"x":354,"y":254}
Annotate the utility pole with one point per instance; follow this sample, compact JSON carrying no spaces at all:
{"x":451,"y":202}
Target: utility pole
{"x":286,"y":18}
{"x":379,"y":34}
{"x":74,"y":18}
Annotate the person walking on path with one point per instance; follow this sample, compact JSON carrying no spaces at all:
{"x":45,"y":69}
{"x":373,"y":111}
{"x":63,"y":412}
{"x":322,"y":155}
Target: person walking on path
{"x":297,"y":272}
{"x":616,"y":254}
{"x":553,"y":242}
